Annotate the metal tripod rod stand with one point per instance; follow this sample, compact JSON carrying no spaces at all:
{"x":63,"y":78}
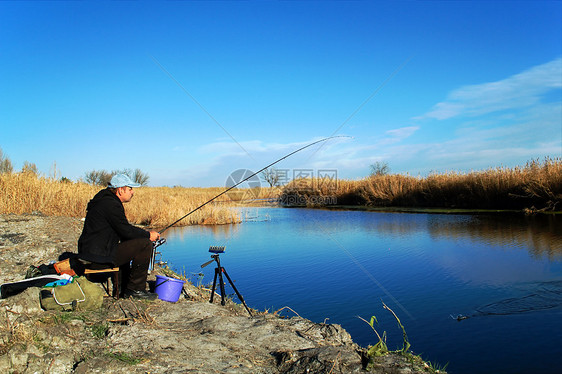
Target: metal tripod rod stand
{"x":219,"y":270}
{"x":155,"y":245}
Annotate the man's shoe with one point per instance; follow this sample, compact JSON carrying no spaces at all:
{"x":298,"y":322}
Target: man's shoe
{"x":138,"y":294}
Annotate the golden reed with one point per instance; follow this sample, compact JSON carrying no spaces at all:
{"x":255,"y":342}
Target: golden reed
{"x":535,"y":186}
{"x":152,"y":206}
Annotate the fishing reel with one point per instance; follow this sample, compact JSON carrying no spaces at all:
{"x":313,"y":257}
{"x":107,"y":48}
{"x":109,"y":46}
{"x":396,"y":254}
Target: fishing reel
{"x":158,"y":243}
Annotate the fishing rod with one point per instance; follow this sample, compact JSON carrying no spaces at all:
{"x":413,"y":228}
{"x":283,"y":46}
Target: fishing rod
{"x":245,"y":179}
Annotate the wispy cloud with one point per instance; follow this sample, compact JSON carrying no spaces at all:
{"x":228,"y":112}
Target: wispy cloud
{"x":397,"y":135}
{"x":518,"y":91}
{"x":222,"y":157}
{"x":489,"y":142}
{"x":506,"y":122}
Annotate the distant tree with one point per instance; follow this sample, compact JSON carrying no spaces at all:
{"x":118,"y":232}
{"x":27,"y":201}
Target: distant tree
{"x":90,"y":177}
{"x":98,"y":177}
{"x":271,"y":176}
{"x":138,"y":176}
{"x":5,"y":163}
{"x":103,"y":177}
{"x":379,"y":168}
{"x":29,"y":167}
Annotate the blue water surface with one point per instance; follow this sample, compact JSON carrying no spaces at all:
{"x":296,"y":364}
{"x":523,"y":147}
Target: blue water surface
{"x":503,"y":272}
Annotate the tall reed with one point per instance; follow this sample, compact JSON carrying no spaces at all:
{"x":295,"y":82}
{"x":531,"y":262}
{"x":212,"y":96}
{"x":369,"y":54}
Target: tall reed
{"x":153,"y":206}
{"x":535,"y":186}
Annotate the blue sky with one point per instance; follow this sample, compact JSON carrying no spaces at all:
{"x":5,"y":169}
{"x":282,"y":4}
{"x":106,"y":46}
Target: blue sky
{"x":191,"y":91}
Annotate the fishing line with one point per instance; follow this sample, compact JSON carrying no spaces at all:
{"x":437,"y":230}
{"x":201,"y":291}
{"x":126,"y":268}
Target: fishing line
{"x":245,"y":179}
{"x":364,"y":270}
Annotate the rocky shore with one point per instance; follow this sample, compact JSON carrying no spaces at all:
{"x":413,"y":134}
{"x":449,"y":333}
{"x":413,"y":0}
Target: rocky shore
{"x":132,"y":336}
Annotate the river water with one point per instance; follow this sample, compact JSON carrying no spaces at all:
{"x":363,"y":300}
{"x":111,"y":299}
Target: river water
{"x":482,"y":293}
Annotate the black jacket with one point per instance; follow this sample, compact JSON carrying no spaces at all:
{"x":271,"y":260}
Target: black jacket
{"x":105,"y":227}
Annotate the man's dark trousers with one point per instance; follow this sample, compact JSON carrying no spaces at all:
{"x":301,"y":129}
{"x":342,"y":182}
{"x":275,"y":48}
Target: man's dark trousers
{"x":134,"y":275}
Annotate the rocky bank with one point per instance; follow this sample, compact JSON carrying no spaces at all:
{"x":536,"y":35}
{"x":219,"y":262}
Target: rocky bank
{"x":132,"y":336}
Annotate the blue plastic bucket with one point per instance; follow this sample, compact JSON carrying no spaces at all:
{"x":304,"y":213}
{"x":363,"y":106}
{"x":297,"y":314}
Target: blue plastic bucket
{"x":168,"y":289}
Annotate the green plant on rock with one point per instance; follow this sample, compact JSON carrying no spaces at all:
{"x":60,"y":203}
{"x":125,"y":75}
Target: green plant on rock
{"x":435,"y":367}
{"x":381,"y":348}
{"x":60,"y":318}
{"x":40,"y":343}
{"x":124,"y":357}
{"x":406,"y":346}
{"x":99,"y":330}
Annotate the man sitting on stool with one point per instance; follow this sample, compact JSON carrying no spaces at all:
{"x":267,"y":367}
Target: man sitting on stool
{"x":108,"y":238}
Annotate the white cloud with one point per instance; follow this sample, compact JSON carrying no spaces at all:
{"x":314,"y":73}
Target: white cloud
{"x":402,"y":133}
{"x":250,"y":147}
{"x":516,"y":92}
{"x":218,"y":159}
{"x":506,"y":122}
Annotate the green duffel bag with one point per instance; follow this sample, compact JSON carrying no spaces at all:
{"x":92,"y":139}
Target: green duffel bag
{"x":80,"y":294}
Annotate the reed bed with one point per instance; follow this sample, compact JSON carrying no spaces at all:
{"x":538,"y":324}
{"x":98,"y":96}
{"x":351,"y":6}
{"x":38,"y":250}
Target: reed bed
{"x":161,"y":206}
{"x":26,"y":193}
{"x":22,"y":193}
{"x":535,"y":186}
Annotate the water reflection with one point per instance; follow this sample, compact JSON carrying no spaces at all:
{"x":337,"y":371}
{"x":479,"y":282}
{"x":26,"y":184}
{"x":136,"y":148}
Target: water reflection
{"x":395,"y":225}
{"x":218,"y":232}
{"x":540,"y":235}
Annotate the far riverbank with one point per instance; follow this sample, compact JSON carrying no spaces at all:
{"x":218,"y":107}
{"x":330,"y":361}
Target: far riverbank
{"x":535,"y":187}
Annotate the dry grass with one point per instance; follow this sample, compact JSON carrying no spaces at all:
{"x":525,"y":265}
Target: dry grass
{"x":25,"y":193}
{"x":160,"y":206}
{"x":13,"y":331}
{"x":153,"y":206}
{"x":535,"y":186}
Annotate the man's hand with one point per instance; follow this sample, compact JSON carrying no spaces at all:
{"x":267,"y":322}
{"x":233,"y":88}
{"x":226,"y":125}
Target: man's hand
{"x":154,"y":236}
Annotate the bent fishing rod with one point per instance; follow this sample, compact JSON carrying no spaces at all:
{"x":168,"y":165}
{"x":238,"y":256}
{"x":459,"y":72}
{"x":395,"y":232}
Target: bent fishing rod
{"x":245,"y":179}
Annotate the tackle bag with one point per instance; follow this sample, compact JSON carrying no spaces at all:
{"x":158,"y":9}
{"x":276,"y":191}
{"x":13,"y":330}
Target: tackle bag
{"x":79,"y":294}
